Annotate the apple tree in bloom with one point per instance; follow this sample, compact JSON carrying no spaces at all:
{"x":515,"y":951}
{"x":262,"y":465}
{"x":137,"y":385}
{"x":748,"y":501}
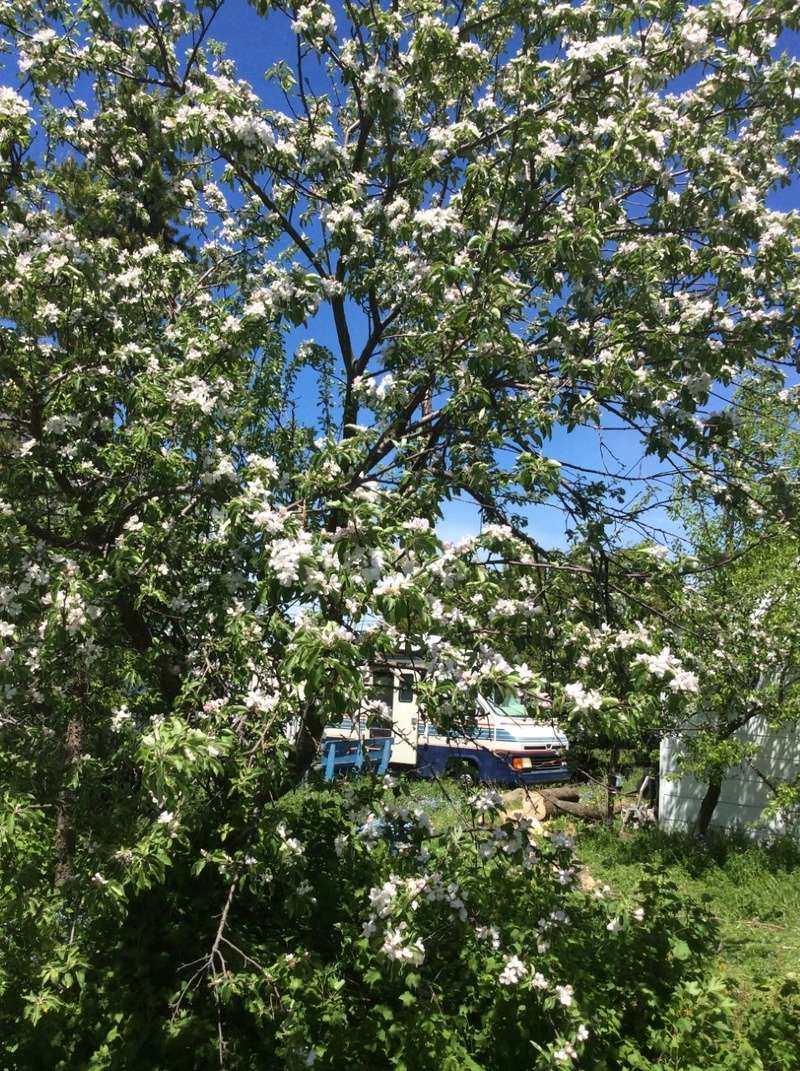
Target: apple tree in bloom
{"x":457,"y":230}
